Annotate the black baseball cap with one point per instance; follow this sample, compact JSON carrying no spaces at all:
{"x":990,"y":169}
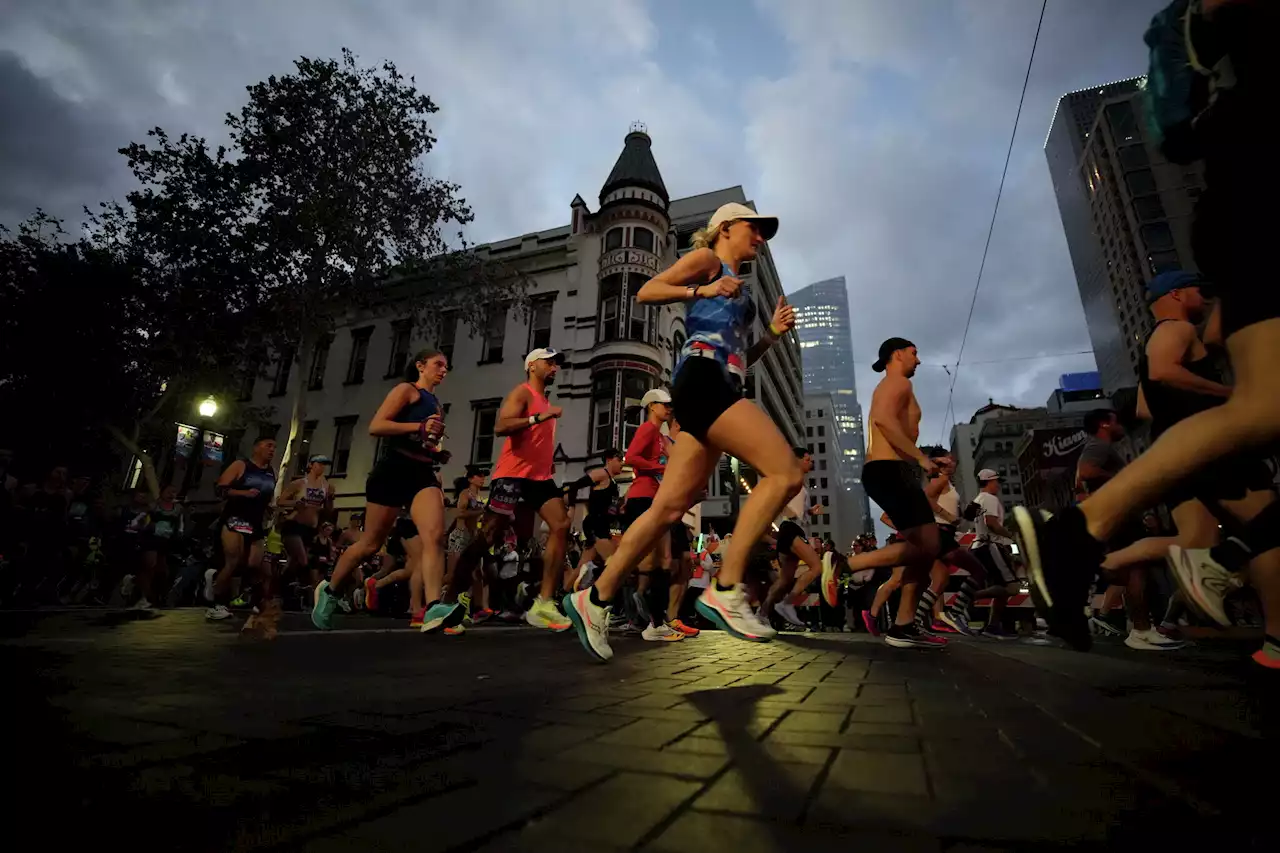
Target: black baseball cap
{"x":887,"y":349}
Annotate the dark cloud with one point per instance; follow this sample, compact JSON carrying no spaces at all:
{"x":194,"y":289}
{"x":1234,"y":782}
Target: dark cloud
{"x":52,"y":154}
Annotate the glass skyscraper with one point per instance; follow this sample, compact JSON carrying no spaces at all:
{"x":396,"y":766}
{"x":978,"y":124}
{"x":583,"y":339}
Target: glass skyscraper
{"x":826,"y":349}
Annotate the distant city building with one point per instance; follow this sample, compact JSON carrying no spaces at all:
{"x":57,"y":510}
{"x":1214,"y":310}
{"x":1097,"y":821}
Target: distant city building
{"x":1126,"y":212}
{"x":1078,"y":392}
{"x":585,"y":276}
{"x":843,"y":521}
{"x":822,"y":322}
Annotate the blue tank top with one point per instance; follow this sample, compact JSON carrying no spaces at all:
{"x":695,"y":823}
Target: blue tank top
{"x":416,"y":412}
{"x":249,"y":509}
{"x":717,"y":328}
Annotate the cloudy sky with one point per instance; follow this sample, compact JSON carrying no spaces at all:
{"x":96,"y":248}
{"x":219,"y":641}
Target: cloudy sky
{"x":875,"y":130}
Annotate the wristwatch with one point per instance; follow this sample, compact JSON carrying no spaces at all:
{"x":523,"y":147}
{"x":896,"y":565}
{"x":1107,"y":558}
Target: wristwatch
{"x":691,"y":293}
{"x":533,"y":420}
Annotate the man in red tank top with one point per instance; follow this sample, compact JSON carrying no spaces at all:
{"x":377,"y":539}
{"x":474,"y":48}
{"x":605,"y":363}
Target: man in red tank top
{"x":525,"y":474}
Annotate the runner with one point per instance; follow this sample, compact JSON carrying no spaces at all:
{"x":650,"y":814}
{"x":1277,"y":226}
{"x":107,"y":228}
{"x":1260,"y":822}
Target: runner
{"x":468,"y":508}
{"x":647,"y":455}
{"x":1231,"y":242}
{"x":525,"y":475}
{"x":246,"y":487}
{"x":793,"y":548}
{"x":602,"y":514}
{"x":165,"y":527}
{"x":309,"y":499}
{"x":707,"y":394}
{"x":891,"y":480}
{"x":405,"y":478}
{"x":991,"y":547}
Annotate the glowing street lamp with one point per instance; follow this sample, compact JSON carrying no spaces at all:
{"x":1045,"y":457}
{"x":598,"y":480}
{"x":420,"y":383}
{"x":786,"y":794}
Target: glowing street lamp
{"x":208,"y":407}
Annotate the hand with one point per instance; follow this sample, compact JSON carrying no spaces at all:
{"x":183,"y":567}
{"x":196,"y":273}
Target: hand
{"x":552,"y":412}
{"x":726,"y":286}
{"x":784,"y":316}
{"x":927,"y":464}
{"x":252,"y":493}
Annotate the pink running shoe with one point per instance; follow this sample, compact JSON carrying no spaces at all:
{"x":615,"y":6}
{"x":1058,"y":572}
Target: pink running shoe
{"x":869,"y":622}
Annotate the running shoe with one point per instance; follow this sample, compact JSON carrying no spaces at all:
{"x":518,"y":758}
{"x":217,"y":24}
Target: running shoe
{"x":345,"y":604}
{"x":126,"y":587}
{"x":141,"y":604}
{"x":910,"y":637}
{"x":870,"y":623}
{"x":217,"y":613}
{"x":1269,"y":654}
{"x":464,"y":598}
{"x":591,"y":621}
{"x":687,"y":630}
{"x":371,"y":594}
{"x":544,"y":614}
{"x":1103,"y":628}
{"x":788,"y":612}
{"x":728,"y":609}
{"x":1204,"y":583}
{"x":1061,"y":563}
{"x":661,"y":634}
{"x":441,"y":615}
{"x":240,"y":601}
{"x":210,"y":575}
{"x":415,"y":618}
{"x":941,"y":627}
{"x":322,"y":609}
{"x":956,"y":622}
{"x":455,"y":630}
{"x":997,"y":632}
{"x":1152,"y":640}
{"x":481,"y":616}
{"x":830,"y":584}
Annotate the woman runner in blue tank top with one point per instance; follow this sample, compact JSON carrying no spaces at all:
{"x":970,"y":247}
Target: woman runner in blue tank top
{"x":247,"y":488}
{"x":410,"y":419}
{"x":707,"y":395}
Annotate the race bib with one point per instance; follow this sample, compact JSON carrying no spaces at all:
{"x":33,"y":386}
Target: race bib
{"x":239,"y":525}
{"x":164,"y":529}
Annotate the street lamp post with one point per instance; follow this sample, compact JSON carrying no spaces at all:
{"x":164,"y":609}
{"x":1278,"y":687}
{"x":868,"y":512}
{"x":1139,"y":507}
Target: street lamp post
{"x":207,"y":408}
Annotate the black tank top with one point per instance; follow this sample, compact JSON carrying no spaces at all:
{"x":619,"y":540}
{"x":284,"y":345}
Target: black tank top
{"x":252,"y":509}
{"x":1168,"y":404}
{"x":424,"y":407}
{"x":603,"y":502}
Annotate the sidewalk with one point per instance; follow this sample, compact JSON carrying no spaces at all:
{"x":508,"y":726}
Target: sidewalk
{"x":178,"y":735}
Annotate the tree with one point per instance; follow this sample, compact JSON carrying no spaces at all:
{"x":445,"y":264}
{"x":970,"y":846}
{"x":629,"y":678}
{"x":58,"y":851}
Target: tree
{"x":319,"y":207}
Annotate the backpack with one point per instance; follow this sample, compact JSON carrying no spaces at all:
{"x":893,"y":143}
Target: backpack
{"x":1182,"y":80}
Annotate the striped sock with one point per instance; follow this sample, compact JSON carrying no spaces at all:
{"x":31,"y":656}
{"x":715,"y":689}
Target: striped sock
{"x":964,"y":598}
{"x":924,"y":610}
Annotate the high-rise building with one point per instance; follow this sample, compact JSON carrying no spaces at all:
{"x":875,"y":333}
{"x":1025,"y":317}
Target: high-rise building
{"x":843,"y":519}
{"x":822,"y":321}
{"x":1126,"y":211}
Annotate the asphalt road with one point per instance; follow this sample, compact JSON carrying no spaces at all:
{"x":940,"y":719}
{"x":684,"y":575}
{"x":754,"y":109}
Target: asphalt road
{"x":165,"y":732}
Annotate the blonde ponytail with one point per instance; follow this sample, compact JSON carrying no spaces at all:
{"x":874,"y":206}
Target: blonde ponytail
{"x":705,"y":238}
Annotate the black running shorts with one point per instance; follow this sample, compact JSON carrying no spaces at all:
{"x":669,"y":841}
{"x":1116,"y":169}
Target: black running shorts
{"x":1228,"y":479}
{"x":996,"y":562}
{"x":947,"y":538}
{"x":679,"y":539}
{"x":506,"y":493}
{"x":701,"y":392}
{"x":896,"y":488}
{"x":633,"y":509}
{"x":296,"y":528}
{"x":788,"y":533}
{"x":396,"y":480}
{"x":597,"y":527}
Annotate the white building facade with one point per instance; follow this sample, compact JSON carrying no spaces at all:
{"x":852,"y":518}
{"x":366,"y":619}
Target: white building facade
{"x":584,"y":279}
{"x":843,"y":520}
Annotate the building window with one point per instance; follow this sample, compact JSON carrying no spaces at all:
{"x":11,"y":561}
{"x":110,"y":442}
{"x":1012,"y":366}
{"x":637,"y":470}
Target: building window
{"x":826,"y":518}
{"x":482,"y":444}
{"x":810,"y":448}
{"x":540,"y":324}
{"x":400,"y":333}
{"x":343,"y":430}
{"x":319,"y":360}
{"x":495,"y":333}
{"x":280,"y":384}
{"x":808,"y":432}
{"x":613,"y":425}
{"x":642,"y":238}
{"x":820,"y":413}
{"x":302,"y":452}
{"x":677,"y":342}
{"x":822,"y":431}
{"x":823,"y":482}
{"x":448,"y":329}
{"x":813,"y":483}
{"x":246,"y":385}
{"x":1140,"y":182}
{"x":610,"y":306}
{"x":822,"y":464}
{"x":613,"y":239}
{"x":359,"y":354}
{"x":1157,"y":236}
{"x":638,"y":320}
{"x":822,"y":447}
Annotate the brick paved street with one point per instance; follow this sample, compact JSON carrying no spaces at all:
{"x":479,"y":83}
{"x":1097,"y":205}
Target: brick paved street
{"x":173,"y":734}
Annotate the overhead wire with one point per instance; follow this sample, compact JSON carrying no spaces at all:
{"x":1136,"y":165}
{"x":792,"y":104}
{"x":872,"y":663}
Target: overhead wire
{"x":1004,"y":174}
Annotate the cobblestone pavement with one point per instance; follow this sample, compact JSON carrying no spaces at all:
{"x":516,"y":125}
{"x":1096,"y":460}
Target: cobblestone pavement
{"x":170,"y":733}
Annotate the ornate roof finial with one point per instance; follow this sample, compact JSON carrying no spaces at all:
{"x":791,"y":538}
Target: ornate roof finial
{"x":639,"y":127}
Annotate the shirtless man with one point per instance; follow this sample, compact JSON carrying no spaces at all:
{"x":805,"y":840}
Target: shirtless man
{"x":892,"y":481}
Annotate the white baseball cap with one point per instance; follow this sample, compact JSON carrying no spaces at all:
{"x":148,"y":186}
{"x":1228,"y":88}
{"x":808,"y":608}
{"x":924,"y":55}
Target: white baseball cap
{"x":986,"y":475}
{"x":544,"y":353}
{"x":655,"y":395}
{"x":733,"y":211}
